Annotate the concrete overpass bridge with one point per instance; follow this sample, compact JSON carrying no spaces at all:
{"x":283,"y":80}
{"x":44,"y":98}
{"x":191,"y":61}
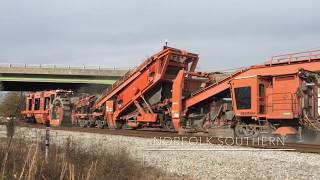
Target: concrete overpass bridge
{"x":23,"y":77}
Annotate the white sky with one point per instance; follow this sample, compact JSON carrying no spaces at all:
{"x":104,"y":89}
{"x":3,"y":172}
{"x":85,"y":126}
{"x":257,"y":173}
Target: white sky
{"x":121,"y":33}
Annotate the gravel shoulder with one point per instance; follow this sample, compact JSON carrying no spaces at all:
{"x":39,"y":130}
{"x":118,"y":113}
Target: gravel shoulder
{"x":211,"y":162}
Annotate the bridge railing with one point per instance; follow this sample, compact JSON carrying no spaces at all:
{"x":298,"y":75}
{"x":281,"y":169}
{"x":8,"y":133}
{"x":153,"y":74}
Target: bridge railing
{"x":60,"y":66}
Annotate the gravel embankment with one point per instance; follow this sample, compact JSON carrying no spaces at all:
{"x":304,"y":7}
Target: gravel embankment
{"x":212,"y":162}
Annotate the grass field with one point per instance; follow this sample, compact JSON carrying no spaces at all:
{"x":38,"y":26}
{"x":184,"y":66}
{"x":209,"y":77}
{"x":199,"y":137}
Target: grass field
{"x":22,"y":158}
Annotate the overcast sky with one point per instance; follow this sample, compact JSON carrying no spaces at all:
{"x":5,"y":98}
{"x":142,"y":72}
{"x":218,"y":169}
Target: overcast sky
{"x":225,"y":33}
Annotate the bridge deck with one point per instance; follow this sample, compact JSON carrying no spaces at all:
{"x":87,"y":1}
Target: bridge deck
{"x":14,"y":76}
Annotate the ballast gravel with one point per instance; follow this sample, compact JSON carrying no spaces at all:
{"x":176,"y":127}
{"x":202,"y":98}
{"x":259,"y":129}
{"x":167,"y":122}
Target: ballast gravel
{"x":195,"y":160}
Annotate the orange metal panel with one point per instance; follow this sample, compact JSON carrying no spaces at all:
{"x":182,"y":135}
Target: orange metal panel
{"x":177,"y":100}
{"x":284,"y":131}
{"x":250,"y":81}
{"x":147,"y":117}
{"x":109,"y":113}
{"x":282,"y":100}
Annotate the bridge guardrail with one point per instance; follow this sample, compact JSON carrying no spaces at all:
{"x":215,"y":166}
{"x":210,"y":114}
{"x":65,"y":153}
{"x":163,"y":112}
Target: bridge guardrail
{"x":92,"y":67}
{"x":57,"y":66}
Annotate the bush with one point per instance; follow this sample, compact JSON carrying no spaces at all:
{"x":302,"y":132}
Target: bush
{"x":12,"y":104}
{"x":22,"y":159}
{"x":10,"y":128}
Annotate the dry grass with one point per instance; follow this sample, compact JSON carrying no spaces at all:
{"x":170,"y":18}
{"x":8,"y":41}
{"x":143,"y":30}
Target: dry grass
{"x":24,"y":159}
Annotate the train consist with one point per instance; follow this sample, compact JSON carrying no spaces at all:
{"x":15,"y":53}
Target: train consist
{"x":165,"y":92}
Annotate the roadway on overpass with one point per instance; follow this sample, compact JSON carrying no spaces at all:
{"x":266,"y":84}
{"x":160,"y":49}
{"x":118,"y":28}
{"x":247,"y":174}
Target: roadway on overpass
{"x":40,"y":77}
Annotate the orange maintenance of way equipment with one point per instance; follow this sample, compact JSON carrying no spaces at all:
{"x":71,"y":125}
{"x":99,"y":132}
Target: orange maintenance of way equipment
{"x":165,"y":92}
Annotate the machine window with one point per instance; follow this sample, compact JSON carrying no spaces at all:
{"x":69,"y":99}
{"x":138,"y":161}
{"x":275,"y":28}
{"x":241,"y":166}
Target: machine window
{"x":261,"y":90}
{"x":29,"y":104}
{"x":243,"y":97}
{"x":52,"y":98}
{"x":37,"y":104}
{"x":46,"y":102}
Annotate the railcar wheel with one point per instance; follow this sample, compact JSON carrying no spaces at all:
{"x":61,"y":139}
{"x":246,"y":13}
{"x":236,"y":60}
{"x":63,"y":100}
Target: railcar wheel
{"x":83,"y":123}
{"x":247,"y":130}
{"x":100,"y":124}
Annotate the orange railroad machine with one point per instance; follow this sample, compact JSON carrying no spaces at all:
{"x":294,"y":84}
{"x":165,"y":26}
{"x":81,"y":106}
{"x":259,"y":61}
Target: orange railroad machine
{"x":53,"y":106}
{"x":142,"y":98}
{"x":279,"y":97}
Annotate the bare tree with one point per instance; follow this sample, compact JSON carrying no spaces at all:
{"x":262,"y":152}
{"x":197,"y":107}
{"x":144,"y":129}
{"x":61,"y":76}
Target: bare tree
{"x":12,"y":104}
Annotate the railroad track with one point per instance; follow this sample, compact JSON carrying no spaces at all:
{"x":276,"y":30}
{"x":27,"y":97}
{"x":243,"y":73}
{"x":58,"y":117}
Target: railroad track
{"x":198,"y":138}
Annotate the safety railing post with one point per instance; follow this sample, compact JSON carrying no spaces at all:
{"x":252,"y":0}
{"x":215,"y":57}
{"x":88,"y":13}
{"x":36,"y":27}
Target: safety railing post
{"x":47,"y":140}
{"x":310,"y":54}
{"x":289,"y":59}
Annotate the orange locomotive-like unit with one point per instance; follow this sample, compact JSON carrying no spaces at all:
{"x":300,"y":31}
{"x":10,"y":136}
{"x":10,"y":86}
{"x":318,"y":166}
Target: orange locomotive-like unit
{"x":279,"y":97}
{"x":52,"y":106}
